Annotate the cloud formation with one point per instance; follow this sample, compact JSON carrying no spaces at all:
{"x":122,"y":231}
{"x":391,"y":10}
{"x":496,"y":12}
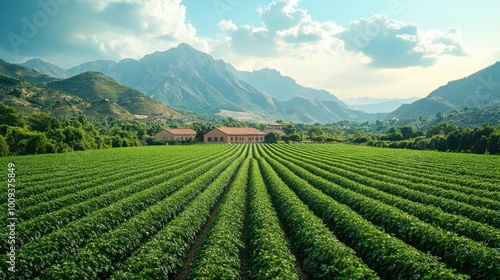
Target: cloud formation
{"x":112,"y":29}
{"x":393,"y":44}
{"x":282,"y":24}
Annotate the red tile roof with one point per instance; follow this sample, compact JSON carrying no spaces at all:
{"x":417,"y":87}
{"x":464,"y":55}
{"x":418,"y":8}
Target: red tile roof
{"x":240,"y":131}
{"x":180,"y":131}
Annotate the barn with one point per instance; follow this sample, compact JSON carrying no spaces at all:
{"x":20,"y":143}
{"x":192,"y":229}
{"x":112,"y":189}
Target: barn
{"x":175,"y":133}
{"x":234,"y":135}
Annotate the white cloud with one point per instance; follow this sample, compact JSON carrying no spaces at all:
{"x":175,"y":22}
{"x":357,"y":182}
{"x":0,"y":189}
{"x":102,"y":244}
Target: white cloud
{"x":395,"y":44}
{"x":117,"y":29}
{"x":285,"y":30}
{"x":447,"y":41}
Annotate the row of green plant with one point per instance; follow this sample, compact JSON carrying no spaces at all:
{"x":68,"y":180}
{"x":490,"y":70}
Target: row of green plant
{"x":43,"y":252}
{"x":462,"y":253}
{"x":164,"y":253}
{"x":270,"y":256}
{"x":430,"y":214}
{"x":48,"y":194}
{"x":60,"y":212}
{"x":219,"y":255}
{"x":483,"y":215}
{"x":483,"y":198}
{"x":105,"y":253}
{"x":55,"y":199}
{"x":390,"y":257}
{"x":411,"y":172}
{"x":320,"y":251}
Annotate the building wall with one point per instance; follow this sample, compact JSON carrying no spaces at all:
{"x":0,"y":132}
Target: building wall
{"x":217,"y":136}
{"x":163,"y":135}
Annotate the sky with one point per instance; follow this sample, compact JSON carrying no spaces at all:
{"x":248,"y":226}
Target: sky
{"x":363,"y":48}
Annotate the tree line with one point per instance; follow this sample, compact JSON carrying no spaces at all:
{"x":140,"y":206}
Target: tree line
{"x":41,"y":133}
{"x":440,"y":137}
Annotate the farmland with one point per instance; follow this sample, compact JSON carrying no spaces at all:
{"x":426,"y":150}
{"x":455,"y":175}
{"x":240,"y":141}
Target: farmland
{"x":254,"y":212}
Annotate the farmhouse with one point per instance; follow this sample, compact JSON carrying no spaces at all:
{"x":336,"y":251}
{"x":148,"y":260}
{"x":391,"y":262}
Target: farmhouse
{"x":174,"y":133}
{"x":275,"y":127}
{"x":234,"y":135}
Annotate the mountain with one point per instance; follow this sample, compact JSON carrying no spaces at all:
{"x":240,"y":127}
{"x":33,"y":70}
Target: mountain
{"x":469,"y":117}
{"x":91,"y":93}
{"x":271,"y":82}
{"x":95,"y":87}
{"x":475,"y":90}
{"x":188,"y":79}
{"x":23,"y":73}
{"x":185,"y":78}
{"x":93,"y":66}
{"x":46,"y":68}
{"x":377,"y":105}
{"x":310,"y":111}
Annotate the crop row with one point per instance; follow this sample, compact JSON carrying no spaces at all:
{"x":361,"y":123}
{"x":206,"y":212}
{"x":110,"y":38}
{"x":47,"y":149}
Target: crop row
{"x":164,"y":172}
{"x":43,"y":252}
{"x":163,"y":255}
{"x":75,"y":209}
{"x":470,"y":257}
{"x":323,"y":254}
{"x":433,"y":215}
{"x":403,"y":172}
{"x":467,"y":166}
{"x":270,"y":256}
{"x":219,"y":257}
{"x":389,"y":256}
{"x":105,"y":253}
{"x":482,"y":215}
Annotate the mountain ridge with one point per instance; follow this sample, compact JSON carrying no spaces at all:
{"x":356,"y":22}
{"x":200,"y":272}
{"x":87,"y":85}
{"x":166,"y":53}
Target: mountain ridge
{"x":474,"y":90}
{"x":91,"y":93}
{"x":188,"y":79}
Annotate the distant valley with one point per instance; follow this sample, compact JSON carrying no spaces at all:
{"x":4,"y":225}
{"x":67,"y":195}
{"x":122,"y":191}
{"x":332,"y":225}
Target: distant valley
{"x":378,"y":105}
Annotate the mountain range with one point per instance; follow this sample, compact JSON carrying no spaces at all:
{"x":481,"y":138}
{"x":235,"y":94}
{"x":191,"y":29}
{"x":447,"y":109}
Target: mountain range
{"x":476,"y":90}
{"x":187,"y":79}
{"x":90,"y":93}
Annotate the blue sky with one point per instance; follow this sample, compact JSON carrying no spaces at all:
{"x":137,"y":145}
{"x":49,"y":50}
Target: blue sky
{"x":376,"y":48}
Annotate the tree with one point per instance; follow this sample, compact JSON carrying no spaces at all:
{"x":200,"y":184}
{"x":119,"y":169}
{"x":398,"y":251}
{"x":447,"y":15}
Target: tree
{"x":294,"y":138}
{"x":315,"y":131}
{"x":4,"y":148}
{"x":494,"y":143}
{"x":480,"y":145}
{"x":201,"y":129}
{"x":441,"y":128}
{"x":35,"y":143}
{"x":438,"y":142}
{"x":11,"y":117}
{"x":272,"y":137}
{"x":408,"y":132}
{"x":393,"y":134}
{"x":453,"y":141}
{"x":42,"y":122}
{"x":359,"y":138}
{"x":289,"y":129}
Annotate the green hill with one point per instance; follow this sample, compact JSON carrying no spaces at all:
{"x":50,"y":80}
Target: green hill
{"x":23,"y":73}
{"x":96,"y":88}
{"x":91,"y":93}
{"x":475,"y":90}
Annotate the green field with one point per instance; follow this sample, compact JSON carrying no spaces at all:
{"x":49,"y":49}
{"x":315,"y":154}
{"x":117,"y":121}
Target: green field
{"x":253,"y":212}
